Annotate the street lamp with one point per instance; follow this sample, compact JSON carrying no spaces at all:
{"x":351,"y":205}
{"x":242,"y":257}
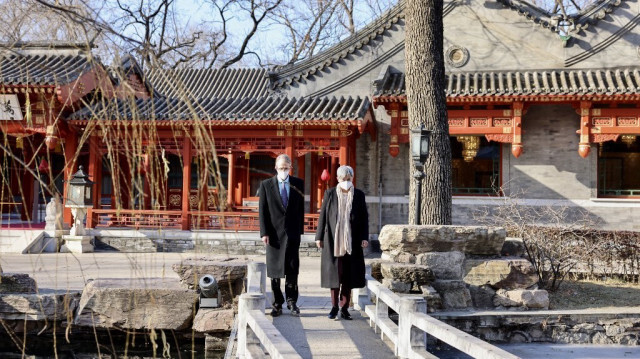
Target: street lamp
{"x":79,"y":192}
{"x":419,"y":153}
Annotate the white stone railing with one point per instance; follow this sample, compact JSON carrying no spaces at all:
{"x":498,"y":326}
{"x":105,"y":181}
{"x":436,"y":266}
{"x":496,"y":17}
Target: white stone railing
{"x":256,"y":334}
{"x":409,"y":335}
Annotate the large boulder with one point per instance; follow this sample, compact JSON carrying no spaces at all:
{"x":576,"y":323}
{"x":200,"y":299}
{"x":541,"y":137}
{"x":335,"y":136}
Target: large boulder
{"x":413,"y":239}
{"x":445,"y":265}
{"x":408,"y":273}
{"x":159,"y":303}
{"x":212,"y":320}
{"x":34,"y":307}
{"x":17,"y":283}
{"x":454,"y":294}
{"x":500,"y":273}
{"x":229,"y":273}
{"x":530,"y":299}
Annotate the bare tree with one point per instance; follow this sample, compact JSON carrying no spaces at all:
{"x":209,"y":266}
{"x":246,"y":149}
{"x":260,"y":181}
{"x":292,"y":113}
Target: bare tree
{"x":424,"y":61}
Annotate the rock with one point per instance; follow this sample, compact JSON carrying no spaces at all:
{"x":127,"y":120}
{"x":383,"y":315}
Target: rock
{"x":38,"y":306}
{"x":600,"y":338}
{"x":532,"y":299}
{"x":616,"y":329}
{"x":445,"y":265}
{"x":376,"y":268}
{"x":405,"y":257}
{"x":408,"y":273}
{"x":558,"y":335}
{"x":229,"y":273}
{"x":476,"y":240}
{"x":17,"y":283}
{"x":225,"y":271}
{"x":209,"y":320}
{"x":397,"y":286}
{"x":626,"y":339}
{"x":431,"y":295}
{"x":512,"y":247}
{"x":160,"y":303}
{"x":454,"y":293}
{"x":482,"y":296}
{"x":500,"y":273}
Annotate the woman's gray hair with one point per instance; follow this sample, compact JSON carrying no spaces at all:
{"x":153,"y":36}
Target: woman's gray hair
{"x":344,"y":172}
{"x":283,"y":157}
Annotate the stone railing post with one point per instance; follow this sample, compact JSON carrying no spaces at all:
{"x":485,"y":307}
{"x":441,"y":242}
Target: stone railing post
{"x":248,"y":302}
{"x":256,"y":277}
{"x":410,"y":338}
{"x":361,"y":295}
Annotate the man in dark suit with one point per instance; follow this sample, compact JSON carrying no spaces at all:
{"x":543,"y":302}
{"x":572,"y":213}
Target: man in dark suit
{"x":281,"y":209}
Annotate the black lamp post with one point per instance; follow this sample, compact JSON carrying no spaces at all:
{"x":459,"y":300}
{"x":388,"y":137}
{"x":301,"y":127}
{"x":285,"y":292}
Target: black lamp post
{"x":419,"y":152}
{"x":79,"y":192}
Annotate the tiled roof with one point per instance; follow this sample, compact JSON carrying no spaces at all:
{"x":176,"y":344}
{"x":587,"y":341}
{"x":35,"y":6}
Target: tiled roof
{"x":42,"y":64}
{"x":232,"y":110}
{"x":581,"y":20}
{"x":287,"y":74}
{"x":210,"y":83}
{"x":504,"y":83}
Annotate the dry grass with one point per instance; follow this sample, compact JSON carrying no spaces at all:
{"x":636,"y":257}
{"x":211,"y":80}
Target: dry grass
{"x":581,"y":294}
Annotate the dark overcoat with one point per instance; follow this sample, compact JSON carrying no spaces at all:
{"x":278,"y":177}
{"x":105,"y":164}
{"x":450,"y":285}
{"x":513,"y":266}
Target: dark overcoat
{"x":283,"y":225}
{"x":352,"y":265}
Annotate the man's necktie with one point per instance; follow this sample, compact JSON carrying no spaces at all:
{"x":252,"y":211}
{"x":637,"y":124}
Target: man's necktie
{"x":284,"y":196}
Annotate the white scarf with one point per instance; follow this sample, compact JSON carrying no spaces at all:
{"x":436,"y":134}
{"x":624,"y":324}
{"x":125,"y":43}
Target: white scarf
{"x":342,"y":236}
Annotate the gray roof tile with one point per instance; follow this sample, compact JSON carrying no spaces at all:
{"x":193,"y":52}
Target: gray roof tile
{"x":230,"y":109}
{"x":548,"y":82}
{"x":41,"y":69}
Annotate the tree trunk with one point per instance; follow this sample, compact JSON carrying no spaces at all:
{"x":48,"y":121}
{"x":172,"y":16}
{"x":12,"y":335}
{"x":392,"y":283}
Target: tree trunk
{"x":425,"y":83}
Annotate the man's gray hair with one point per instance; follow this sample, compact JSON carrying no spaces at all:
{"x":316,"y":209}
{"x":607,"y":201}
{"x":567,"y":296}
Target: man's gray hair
{"x":344,"y":172}
{"x":283,"y":157}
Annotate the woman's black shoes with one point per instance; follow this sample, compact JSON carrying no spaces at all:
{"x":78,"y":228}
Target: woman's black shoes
{"x":333,"y":313}
{"x":344,"y":314}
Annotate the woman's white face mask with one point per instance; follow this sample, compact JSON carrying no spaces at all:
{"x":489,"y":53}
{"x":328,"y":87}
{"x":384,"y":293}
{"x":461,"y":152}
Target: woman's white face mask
{"x":345,"y":185}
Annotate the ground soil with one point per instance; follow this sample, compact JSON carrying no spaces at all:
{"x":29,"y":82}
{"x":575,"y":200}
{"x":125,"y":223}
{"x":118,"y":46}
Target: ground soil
{"x":581,"y":294}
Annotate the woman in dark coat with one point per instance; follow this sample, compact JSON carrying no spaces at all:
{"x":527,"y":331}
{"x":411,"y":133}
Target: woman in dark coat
{"x":343,"y":231}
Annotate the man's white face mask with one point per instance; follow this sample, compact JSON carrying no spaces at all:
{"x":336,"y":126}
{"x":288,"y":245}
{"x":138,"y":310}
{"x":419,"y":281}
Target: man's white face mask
{"x":345,"y":185}
{"x":283,"y":174}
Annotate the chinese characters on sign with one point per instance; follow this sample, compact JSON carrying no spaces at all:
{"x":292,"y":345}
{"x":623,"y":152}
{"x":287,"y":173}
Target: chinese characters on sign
{"x":10,"y":108}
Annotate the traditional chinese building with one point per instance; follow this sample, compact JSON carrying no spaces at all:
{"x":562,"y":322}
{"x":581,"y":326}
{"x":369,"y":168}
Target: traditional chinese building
{"x":541,"y":108}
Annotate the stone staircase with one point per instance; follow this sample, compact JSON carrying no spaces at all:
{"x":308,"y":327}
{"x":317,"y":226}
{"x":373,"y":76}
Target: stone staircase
{"x":18,"y":240}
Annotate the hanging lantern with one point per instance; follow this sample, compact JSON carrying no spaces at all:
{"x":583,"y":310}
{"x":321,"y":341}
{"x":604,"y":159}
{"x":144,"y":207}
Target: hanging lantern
{"x":44,"y":166}
{"x":19,"y":143}
{"x":470,"y":146}
{"x":320,"y":151}
{"x":628,"y":139}
{"x":247,"y":155}
{"x":325,"y":175}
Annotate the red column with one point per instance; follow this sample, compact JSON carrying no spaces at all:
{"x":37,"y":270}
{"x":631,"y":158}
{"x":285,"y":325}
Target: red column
{"x":313,"y":203}
{"x":301,"y":173}
{"x":70,"y":148}
{"x":516,"y":145}
{"x":186,"y":181}
{"x":27,"y":182}
{"x":352,"y":157}
{"x":344,"y":144}
{"x":288,"y":147}
{"x":93,"y":176}
{"x":584,"y":146}
{"x":333,"y":179}
{"x":231,"y":180}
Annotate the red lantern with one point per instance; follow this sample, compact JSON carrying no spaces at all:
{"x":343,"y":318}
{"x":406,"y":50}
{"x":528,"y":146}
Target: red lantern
{"x":44,"y":166}
{"x":51,"y":142}
{"x":325,"y":175}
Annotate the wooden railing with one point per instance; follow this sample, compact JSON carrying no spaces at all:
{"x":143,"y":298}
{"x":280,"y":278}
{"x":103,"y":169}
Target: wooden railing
{"x":135,"y":218}
{"x":229,"y":221}
{"x":409,"y":335}
{"x":256,"y":333}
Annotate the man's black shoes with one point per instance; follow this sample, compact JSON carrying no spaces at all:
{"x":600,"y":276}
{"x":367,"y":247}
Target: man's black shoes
{"x":295,"y":311}
{"x":344,"y":313}
{"x":333,"y":313}
{"x":276,"y":310}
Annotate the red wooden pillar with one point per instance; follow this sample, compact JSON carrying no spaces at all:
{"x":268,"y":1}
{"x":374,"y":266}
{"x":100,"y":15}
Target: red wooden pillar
{"x":352,"y":157}
{"x":231,"y":180}
{"x":300,"y":167}
{"x":333,"y":180}
{"x":344,"y":148}
{"x":27,"y":181}
{"x":584,"y":146}
{"x":288,"y":147}
{"x":516,"y":145}
{"x":186,"y":181}
{"x":93,"y":176}
{"x":313,"y":196}
{"x":70,"y":148}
